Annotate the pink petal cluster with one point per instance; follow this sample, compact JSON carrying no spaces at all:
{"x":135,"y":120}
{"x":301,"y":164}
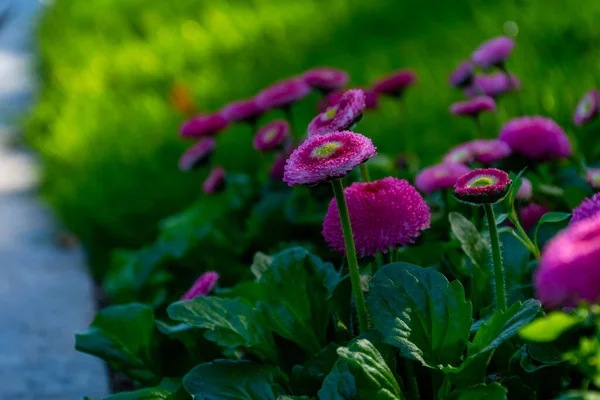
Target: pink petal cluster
{"x":271,"y":136}
{"x":394,"y":85}
{"x":538,"y":138}
{"x":593,"y":177}
{"x":492,"y":85}
{"x":326,"y":79}
{"x":493,"y":52}
{"x":462,"y":76}
{"x":341,"y":116}
{"x":526,"y":190}
{"x":384,"y":213}
{"x":569,"y":271}
{"x":283,"y":93}
{"x":202,"y":286}
{"x":328,"y":156}
{"x":482,"y":186}
{"x":203,"y":125}
{"x":473,"y":107}
{"x":588,"y":208}
{"x":440,"y":176}
{"x":242,"y":110}
{"x":371,"y":99}
{"x":484,"y":151}
{"x":587,"y":108}
{"x":198,"y":154}
{"x":531,"y":214}
{"x":215,"y":181}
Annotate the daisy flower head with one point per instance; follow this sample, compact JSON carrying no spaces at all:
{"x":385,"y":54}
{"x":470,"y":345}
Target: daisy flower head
{"x":341,"y":116}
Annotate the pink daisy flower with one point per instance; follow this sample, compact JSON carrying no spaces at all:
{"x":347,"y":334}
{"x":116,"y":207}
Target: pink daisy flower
{"x":588,"y":208}
{"x":202,"y":286}
{"x":394,"y":85}
{"x":282,"y":94}
{"x":371,"y":100}
{"x":593,"y":177}
{"x":341,"y":116}
{"x":272,"y":136}
{"x":198,"y":154}
{"x":461,"y":154}
{"x":385,"y":213}
{"x":440,"y":176}
{"x":326,"y":79}
{"x":484,"y":151}
{"x":538,"y":138}
{"x":526,"y":190}
{"x":242,"y":110}
{"x":473,"y":107}
{"x":587,"y":108}
{"x":531,"y":215}
{"x":569,"y":271}
{"x":482,"y":186}
{"x":493,"y":52}
{"x":215,"y":181}
{"x":324,"y":157}
{"x":203,"y":125}
{"x":462,"y":76}
{"x":492,"y":85}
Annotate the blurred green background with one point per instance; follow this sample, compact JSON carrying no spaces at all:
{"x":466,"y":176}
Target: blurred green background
{"x":106,"y":128}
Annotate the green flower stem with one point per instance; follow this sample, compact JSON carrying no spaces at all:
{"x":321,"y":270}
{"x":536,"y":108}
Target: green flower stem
{"x":290,"y":119}
{"x":524,"y":238}
{"x":359,"y":298}
{"x":497,"y":258}
{"x":364,"y":172}
{"x":503,"y":68}
{"x":413,"y":385}
{"x":480,"y":132}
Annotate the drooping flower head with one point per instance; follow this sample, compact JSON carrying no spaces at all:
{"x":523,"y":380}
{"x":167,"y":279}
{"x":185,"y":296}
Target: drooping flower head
{"x":242,"y":110}
{"x":492,"y":85}
{"x":203,"y":125}
{"x":394,"y":85}
{"x":384,"y":213}
{"x":462,"y":76}
{"x":493,"y":52}
{"x":538,"y":138}
{"x":588,"y":208}
{"x":440,"y":176}
{"x":271,"y":136}
{"x":482,"y":186}
{"x":328,"y":156}
{"x":593,"y":177}
{"x":326,"y":79}
{"x":484,"y":151}
{"x":526,"y":190}
{"x":202,"y":286}
{"x":198,"y":154}
{"x":569,"y":271}
{"x":587,"y":108}
{"x":473,"y":107}
{"x":531,"y":215}
{"x":282,"y":94}
{"x":215,"y":181}
{"x":341,"y":116}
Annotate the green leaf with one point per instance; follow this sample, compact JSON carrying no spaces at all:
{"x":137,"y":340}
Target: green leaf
{"x":123,"y":336}
{"x":579,"y":395}
{"x":240,"y":380}
{"x":509,"y":202}
{"x":296,"y":297}
{"x":536,"y":356}
{"x":418,"y":311}
{"x":474,"y":245}
{"x":142,"y":394}
{"x":294,"y":398}
{"x":308,"y":378}
{"x":550,"y":327}
{"x":549,"y":218}
{"x":492,"y":391}
{"x":260,"y":263}
{"x":231,"y":323}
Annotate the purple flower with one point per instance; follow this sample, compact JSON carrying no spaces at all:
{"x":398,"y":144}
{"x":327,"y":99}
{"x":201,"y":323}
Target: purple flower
{"x":538,"y":138}
{"x":587,"y":108}
{"x":371,"y":99}
{"x":492,"y":85}
{"x":462,"y":76}
{"x":493,"y":52}
{"x":328,"y":156}
{"x":482,"y":186}
{"x":440,"y":176}
{"x":394,"y":85}
{"x":531,"y":215}
{"x":383,"y":214}
{"x":484,"y":151}
{"x":282,"y":94}
{"x":326,"y":79}
{"x":526,"y":190}
{"x":593,"y":177}
{"x":215,"y":181}
{"x":202,"y":286}
{"x":588,"y":208}
{"x":203,"y":125}
{"x":473,"y":107}
{"x":272,"y":136}
{"x":242,"y":110}
{"x":198,"y":154}
{"x":341,"y":116}
{"x":569,"y":271}
{"x":461,"y":154}
{"x":278,"y":166}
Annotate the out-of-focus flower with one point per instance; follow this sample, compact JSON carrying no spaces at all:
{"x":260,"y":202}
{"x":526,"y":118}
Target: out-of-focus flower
{"x":394,"y":85}
{"x":272,"y":136}
{"x":531,"y":215}
{"x":384,"y":213}
{"x":341,"y":116}
{"x":462,"y":76}
{"x":587,"y":108}
{"x":526,"y":190}
{"x":202,"y":286}
{"x":482,"y":186}
{"x":215,"y":181}
{"x":326,"y":79}
{"x":371,"y":99}
{"x":182,"y":99}
{"x":278,"y":166}
{"x":493,"y":52}
{"x":323,"y":157}
{"x":538,"y":138}
{"x":203,"y":125}
{"x":492,"y":85}
{"x":473,"y":107}
{"x":282,"y":94}
{"x":440,"y":176}
{"x":242,"y":110}
{"x":593,"y":177}
{"x":484,"y":151}
{"x":588,"y":208}
{"x":198,"y":154}
{"x":569,"y":271}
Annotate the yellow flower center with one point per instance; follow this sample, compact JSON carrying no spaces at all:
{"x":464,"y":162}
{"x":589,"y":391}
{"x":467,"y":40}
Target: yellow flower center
{"x":330,"y":113}
{"x":326,"y":150}
{"x":482,"y":181}
{"x":270,"y":134}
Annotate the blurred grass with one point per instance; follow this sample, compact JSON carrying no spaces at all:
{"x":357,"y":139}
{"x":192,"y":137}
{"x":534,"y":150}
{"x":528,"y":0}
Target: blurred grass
{"x":108,"y":135}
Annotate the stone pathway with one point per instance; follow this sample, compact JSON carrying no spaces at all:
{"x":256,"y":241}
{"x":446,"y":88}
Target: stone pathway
{"x":45,"y":293}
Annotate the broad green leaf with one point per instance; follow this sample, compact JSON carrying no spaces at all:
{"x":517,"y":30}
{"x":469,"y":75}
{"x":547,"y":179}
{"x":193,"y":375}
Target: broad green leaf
{"x":123,"y":336}
{"x":474,"y":245}
{"x":492,"y":391}
{"x":579,"y":395}
{"x":296,"y":297}
{"x":536,"y":356}
{"x":549,"y":218}
{"x":142,"y":394}
{"x":308,"y":378}
{"x":240,"y":380}
{"x":418,"y":311}
{"x":260,"y":263}
{"x":231,"y":323}
{"x":550,"y":327}
{"x":294,"y":398}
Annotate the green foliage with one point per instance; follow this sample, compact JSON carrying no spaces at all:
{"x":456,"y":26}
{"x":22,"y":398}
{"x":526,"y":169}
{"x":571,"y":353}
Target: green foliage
{"x":550,"y":327}
{"x":493,"y":391}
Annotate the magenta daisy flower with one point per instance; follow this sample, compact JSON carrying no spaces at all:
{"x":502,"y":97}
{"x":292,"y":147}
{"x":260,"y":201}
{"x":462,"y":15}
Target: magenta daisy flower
{"x":489,"y":151}
{"x":482,"y":186}
{"x":473,"y":107}
{"x":493,"y":85}
{"x":202,"y":286}
{"x":215,"y":181}
{"x":278,"y":166}
{"x":341,"y":116}
{"x":371,"y":100}
{"x":328,"y":156}
{"x":587,"y":108}
{"x":203,"y":125}
{"x":272,"y":136}
{"x":526,"y":190}
{"x":440,"y":176}
{"x":493,"y":52}
{"x":588,"y":208}
{"x":394,"y":85}
{"x":569,"y":271}
{"x":385,"y":213}
{"x":242,"y":110}
{"x":531,"y":215}
{"x":282,"y":94}
{"x":326,"y":79}
{"x":462,"y":76}
{"x":538,"y":138}
{"x":461,"y":154}
{"x":198,"y":154}
{"x":593,"y":177}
